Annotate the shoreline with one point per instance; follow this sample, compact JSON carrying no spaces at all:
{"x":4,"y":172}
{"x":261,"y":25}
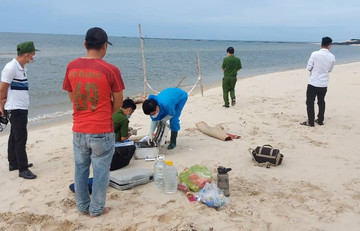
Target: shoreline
{"x":68,"y":117}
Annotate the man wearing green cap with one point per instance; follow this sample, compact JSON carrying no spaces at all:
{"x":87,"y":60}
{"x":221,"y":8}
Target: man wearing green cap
{"x":14,"y":104}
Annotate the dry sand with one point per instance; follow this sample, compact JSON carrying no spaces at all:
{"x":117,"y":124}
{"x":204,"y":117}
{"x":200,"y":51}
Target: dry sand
{"x":316,"y":188}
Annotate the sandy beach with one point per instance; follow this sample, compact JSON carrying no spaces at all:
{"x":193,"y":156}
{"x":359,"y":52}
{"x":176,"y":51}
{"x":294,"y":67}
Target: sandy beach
{"x":316,"y":188}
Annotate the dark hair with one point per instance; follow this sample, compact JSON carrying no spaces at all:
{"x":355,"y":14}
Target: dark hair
{"x":149,"y":106}
{"x":127,"y":103}
{"x":230,"y":50}
{"x":326,"y":41}
{"x":93,"y":46}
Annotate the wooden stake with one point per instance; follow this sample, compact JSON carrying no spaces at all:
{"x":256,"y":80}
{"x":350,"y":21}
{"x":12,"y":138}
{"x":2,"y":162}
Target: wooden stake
{"x":143,"y":58}
{"x":199,"y":72}
{"x":180,"y":82}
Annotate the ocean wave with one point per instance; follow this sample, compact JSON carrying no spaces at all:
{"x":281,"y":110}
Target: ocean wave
{"x":50,"y":116}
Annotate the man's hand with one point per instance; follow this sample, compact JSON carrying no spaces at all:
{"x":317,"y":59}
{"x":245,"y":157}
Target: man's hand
{"x":149,"y":139}
{"x":2,"y":110}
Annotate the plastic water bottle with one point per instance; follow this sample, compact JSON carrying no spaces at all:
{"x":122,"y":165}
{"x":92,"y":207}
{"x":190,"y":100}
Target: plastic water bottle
{"x":159,"y":167}
{"x":223,"y":179}
{"x":170,"y":178}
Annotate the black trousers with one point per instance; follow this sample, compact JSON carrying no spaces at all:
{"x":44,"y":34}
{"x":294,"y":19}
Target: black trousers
{"x":311,"y":93}
{"x":17,"y":139}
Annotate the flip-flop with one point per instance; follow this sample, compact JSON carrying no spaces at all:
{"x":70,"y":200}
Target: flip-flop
{"x":306,"y":123}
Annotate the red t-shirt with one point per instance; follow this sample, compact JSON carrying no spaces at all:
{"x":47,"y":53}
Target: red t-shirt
{"x":92,"y":81}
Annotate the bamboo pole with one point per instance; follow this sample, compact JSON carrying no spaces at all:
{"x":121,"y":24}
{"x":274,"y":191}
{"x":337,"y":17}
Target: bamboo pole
{"x":199,"y":72}
{"x":180,"y":82}
{"x":143,"y":58}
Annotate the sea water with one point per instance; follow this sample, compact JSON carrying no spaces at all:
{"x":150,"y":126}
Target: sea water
{"x":168,"y":61}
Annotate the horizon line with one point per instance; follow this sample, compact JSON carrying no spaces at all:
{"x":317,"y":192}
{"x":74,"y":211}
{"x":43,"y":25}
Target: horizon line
{"x":146,"y":37}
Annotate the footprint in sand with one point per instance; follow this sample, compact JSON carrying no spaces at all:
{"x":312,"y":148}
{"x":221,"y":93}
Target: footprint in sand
{"x":50,"y":204}
{"x":33,"y":144}
{"x":68,"y":203}
{"x":114,"y":196}
{"x":24,"y":191}
{"x":54,"y":159}
{"x":316,"y":143}
{"x":254,"y":131}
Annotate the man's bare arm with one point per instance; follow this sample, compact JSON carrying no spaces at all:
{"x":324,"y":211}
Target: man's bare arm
{"x":3,"y":95}
{"x":117,"y":101}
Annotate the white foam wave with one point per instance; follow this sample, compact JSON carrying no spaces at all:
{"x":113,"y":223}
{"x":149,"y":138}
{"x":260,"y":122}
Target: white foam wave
{"x":48,"y":116}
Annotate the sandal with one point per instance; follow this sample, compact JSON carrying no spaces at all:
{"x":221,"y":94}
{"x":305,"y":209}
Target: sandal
{"x":306,"y":123}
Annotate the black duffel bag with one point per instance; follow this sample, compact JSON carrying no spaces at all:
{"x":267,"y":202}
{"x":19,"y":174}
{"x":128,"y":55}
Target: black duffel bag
{"x":122,"y":157}
{"x":266,"y":155}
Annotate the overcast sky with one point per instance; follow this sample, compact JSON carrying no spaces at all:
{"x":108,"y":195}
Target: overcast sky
{"x":264,"y":20}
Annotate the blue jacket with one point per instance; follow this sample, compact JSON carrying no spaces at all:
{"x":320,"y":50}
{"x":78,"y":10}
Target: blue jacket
{"x":171,"y":102}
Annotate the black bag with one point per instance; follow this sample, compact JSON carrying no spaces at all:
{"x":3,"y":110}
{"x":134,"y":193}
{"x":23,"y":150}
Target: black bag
{"x":122,"y":156}
{"x":266,"y":156}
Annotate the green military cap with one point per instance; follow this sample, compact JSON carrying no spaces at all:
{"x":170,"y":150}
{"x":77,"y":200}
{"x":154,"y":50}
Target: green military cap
{"x":26,"y":47}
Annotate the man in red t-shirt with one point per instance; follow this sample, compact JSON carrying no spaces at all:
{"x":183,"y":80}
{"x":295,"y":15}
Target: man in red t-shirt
{"x":96,"y":89}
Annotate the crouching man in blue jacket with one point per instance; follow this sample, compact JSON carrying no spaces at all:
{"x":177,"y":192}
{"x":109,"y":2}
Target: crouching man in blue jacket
{"x":167,"y":105}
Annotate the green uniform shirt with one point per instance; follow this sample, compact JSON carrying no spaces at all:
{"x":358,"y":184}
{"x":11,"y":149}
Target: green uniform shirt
{"x":231,"y":65}
{"x":121,"y":125}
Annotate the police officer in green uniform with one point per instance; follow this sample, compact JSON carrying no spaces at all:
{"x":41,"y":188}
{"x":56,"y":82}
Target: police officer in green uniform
{"x":230,"y":66}
{"x":121,"y":121}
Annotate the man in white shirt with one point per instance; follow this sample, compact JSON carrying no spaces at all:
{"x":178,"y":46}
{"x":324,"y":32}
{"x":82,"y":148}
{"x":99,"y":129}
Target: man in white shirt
{"x":320,"y":64}
{"x":14,"y":104}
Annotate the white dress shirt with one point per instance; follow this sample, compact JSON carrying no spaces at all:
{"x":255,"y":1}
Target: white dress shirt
{"x":321,"y":62}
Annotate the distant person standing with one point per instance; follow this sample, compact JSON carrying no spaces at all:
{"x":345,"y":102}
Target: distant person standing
{"x":230,"y":66}
{"x":96,"y":89}
{"x":14,"y":104}
{"x":320,"y":65}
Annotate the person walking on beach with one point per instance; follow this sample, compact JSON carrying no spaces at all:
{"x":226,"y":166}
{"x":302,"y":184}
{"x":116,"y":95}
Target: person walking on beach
{"x":167,"y":105}
{"x":14,"y":104}
{"x":231,"y":65}
{"x":96,"y":89}
{"x":320,"y":64}
{"x":121,"y":121}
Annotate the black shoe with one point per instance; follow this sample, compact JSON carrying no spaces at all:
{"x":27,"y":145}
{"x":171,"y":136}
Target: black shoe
{"x":233,"y":102}
{"x":306,"y":123}
{"x":27,"y":174}
{"x":226,"y":106}
{"x":319,"y":122}
{"x":12,"y":167}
